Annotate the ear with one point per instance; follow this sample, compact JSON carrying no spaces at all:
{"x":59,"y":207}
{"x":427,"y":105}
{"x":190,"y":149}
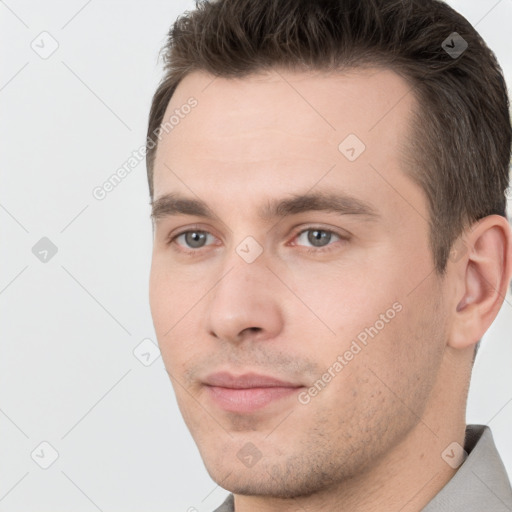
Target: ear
{"x":482,"y":273}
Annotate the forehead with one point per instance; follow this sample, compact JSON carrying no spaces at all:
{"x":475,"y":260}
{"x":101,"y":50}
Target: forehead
{"x":284,"y":127}
{"x":303,"y":103}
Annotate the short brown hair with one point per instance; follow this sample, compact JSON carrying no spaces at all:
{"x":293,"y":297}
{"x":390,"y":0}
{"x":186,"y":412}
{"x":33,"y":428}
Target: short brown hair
{"x":458,"y":149}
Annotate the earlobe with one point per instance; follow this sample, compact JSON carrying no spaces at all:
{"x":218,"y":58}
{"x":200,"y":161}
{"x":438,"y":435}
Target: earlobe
{"x":482,"y":278}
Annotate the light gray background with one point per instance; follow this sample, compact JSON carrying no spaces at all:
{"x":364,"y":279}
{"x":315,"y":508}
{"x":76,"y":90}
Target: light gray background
{"x":68,"y":372}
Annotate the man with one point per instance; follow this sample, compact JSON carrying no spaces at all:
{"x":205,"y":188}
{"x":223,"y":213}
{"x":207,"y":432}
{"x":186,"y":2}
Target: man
{"x":327,"y":181}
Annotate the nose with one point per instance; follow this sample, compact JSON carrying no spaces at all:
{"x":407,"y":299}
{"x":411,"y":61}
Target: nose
{"x":245,"y":303}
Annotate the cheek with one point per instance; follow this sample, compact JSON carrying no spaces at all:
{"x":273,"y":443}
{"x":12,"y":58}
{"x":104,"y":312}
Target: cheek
{"x":376,"y":323}
{"x":169,"y":307}
{"x":385,"y":378}
{"x":160,"y":302}
{"x":403,"y":357}
{"x":343,"y":301}
{"x":171,"y":296}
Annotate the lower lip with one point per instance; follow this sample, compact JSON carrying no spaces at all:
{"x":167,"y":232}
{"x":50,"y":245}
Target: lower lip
{"x":249,"y":399}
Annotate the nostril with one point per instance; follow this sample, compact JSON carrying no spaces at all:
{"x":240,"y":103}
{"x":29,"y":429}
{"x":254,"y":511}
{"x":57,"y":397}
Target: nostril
{"x":252,"y":329}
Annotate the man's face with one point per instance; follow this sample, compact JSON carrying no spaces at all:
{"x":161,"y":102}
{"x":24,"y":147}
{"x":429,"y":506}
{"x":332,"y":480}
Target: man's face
{"x":342,"y":306}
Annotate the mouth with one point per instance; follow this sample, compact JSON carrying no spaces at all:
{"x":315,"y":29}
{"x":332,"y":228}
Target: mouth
{"x":248,"y":392}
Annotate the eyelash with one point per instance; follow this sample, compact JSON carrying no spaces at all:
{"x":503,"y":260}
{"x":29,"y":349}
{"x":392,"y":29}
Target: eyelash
{"x":309,"y":250}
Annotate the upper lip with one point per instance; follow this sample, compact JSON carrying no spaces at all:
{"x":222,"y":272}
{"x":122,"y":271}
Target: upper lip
{"x":245,"y":381}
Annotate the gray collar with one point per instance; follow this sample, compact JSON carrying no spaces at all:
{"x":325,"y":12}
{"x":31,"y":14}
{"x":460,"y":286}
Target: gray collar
{"x":481,"y":482}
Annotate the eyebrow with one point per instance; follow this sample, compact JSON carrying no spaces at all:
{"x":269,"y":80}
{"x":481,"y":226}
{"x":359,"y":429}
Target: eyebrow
{"x":172,"y":204}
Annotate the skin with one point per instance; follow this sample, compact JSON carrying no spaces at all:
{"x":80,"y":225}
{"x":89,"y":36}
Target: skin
{"x":372,"y":438}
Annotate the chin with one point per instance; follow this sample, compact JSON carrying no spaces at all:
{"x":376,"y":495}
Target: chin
{"x":265,"y":479}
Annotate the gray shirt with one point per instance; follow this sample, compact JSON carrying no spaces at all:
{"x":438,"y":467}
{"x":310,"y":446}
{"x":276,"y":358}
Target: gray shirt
{"x":480,"y":484}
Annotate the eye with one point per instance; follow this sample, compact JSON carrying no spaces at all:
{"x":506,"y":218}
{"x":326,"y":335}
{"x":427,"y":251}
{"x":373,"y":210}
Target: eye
{"x":318,"y":237}
{"x":192,"y":239}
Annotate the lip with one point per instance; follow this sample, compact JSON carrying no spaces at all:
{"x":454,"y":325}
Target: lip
{"x":247,"y":380}
{"x":248,"y":392}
